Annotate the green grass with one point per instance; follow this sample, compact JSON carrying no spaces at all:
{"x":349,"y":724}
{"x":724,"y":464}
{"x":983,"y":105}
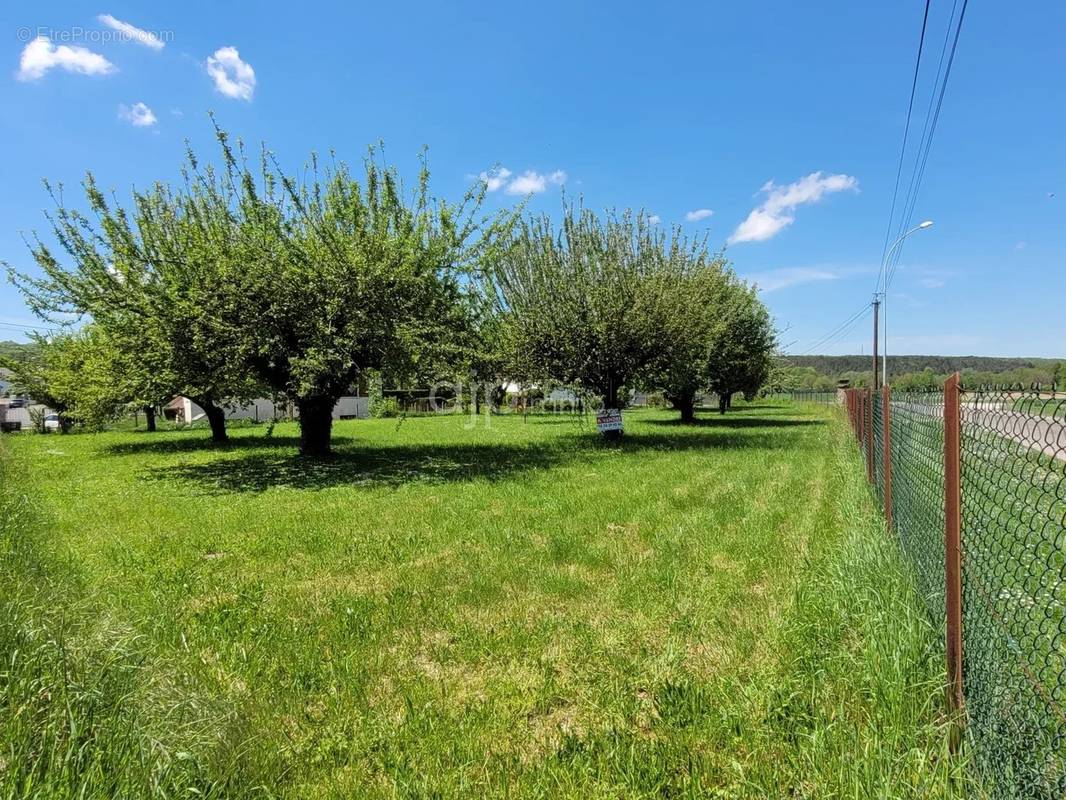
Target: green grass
{"x":447,"y":610}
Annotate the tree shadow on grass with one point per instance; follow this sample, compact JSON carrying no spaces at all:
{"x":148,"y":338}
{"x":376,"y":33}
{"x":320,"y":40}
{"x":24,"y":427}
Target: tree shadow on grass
{"x":197,"y":444}
{"x":732,"y":421}
{"x":257,"y":464}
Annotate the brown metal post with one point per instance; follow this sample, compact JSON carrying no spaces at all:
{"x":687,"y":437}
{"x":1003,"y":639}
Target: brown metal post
{"x":868,"y":432}
{"x":953,"y":538}
{"x":886,"y":454}
{"x":859,"y":414}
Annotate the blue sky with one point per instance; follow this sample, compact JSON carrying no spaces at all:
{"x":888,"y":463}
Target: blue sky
{"x":783,"y":119}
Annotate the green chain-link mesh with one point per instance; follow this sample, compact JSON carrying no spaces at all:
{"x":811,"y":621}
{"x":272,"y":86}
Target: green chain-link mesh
{"x":1013,"y":460}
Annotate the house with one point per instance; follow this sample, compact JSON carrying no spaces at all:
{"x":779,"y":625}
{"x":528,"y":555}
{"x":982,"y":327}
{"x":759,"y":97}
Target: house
{"x":182,"y":409}
{"x":17,"y":413}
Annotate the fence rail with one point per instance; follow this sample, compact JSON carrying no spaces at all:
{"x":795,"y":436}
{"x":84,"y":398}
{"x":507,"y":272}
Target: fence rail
{"x":973,"y":486}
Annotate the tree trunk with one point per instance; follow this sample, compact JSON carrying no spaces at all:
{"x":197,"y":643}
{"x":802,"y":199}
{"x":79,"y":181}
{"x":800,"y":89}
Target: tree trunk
{"x":723,"y":402}
{"x":149,"y":418}
{"x":216,"y":416}
{"x":686,"y":404}
{"x":316,"y":423}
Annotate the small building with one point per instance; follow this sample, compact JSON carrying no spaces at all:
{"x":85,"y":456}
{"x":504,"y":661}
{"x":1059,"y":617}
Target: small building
{"x":17,"y":413}
{"x":182,"y":409}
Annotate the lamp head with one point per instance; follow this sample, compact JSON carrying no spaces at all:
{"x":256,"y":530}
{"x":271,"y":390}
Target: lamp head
{"x":927,"y":224}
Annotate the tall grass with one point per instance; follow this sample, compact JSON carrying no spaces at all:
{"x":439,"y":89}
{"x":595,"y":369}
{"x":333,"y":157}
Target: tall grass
{"x":515,"y":612}
{"x":85,"y":710}
{"x":855,"y":706}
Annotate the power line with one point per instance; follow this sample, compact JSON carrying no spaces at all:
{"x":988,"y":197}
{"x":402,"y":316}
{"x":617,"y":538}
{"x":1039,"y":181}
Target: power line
{"x":843,"y":333}
{"x":903,"y":148}
{"x":925,"y":146}
{"x":16,"y":326}
{"x":839,"y":331}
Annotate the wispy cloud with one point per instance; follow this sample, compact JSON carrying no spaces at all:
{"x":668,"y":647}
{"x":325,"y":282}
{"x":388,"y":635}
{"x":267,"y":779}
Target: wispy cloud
{"x":775,"y":279}
{"x":698,"y":214}
{"x":139,"y":115}
{"x":233,"y":77}
{"x":654,"y":219}
{"x":777,"y":211}
{"x":931,"y":283}
{"x":529,"y":182}
{"x":132,"y":32}
{"x":41,"y":55}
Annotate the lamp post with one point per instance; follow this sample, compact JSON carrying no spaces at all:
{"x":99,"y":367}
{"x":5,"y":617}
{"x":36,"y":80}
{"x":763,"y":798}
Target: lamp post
{"x":884,"y":294}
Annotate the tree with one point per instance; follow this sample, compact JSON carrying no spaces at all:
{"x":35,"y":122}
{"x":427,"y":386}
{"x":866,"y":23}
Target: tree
{"x":487,"y":363}
{"x":73,"y":375}
{"x":699,"y":297}
{"x":165,"y":281}
{"x":743,"y":341}
{"x":587,"y":306}
{"x":348,"y":277}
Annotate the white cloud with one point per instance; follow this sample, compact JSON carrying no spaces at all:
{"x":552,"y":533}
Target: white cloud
{"x":698,"y":214}
{"x":654,"y":219}
{"x":1020,"y":246}
{"x":131,"y":32}
{"x":932,"y":283}
{"x":495,"y":178}
{"x":139,"y":115}
{"x":774,"y":279}
{"x":233,"y":77}
{"x":529,"y":182}
{"x":778,"y":210}
{"x":40,"y":55}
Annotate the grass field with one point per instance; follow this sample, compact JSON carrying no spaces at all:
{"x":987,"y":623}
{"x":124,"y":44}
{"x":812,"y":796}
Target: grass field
{"x":511,"y":608}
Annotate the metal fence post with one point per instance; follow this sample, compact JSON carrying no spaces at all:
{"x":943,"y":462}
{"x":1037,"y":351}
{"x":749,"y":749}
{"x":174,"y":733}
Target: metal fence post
{"x":953,"y":538}
{"x":886,"y":452}
{"x":868,"y":432}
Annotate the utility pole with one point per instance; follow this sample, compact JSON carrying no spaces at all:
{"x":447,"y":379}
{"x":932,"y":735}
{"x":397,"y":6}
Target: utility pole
{"x":877,"y":307}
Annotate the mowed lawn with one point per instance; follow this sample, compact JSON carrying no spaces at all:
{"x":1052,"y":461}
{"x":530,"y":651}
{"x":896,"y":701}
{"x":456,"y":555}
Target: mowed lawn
{"x":505,"y":607}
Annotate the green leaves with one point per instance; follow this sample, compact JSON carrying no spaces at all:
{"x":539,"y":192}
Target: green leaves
{"x":606,"y":304}
{"x":588,"y":305}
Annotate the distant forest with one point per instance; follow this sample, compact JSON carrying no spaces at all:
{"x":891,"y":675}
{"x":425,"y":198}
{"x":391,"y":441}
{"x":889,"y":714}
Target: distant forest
{"x":15,"y":350}
{"x":824,"y":372}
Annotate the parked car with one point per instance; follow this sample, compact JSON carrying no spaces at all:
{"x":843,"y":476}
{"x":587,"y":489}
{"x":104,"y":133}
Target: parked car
{"x":51,"y":422}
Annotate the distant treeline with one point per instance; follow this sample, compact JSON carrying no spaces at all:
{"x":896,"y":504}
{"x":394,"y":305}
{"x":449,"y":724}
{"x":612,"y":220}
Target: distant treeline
{"x":15,"y":350}
{"x":824,"y":372}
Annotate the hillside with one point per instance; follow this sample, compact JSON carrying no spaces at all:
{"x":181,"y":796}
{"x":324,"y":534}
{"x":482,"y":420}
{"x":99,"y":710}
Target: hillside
{"x":15,"y":350}
{"x":833,"y":366}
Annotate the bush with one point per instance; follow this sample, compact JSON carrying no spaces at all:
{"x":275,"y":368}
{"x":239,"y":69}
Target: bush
{"x":381,"y":407}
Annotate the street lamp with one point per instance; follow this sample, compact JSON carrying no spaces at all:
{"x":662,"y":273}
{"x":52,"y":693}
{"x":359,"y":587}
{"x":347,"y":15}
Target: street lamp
{"x":884,"y":294}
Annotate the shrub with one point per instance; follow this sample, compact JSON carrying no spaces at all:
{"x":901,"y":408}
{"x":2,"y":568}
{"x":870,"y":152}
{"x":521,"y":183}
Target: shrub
{"x":381,"y":407}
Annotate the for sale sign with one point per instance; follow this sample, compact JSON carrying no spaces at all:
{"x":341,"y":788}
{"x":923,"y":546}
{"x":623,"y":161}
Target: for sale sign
{"x":610,"y":419}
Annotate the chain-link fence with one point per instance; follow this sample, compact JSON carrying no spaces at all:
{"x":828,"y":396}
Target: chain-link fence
{"x":973,"y":483}
{"x":821,"y":396}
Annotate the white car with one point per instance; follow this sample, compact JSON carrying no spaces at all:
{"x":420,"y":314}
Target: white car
{"x":51,"y":422}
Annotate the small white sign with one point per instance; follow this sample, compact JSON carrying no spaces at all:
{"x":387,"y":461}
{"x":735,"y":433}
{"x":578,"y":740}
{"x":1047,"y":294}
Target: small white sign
{"x":610,"y":419}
